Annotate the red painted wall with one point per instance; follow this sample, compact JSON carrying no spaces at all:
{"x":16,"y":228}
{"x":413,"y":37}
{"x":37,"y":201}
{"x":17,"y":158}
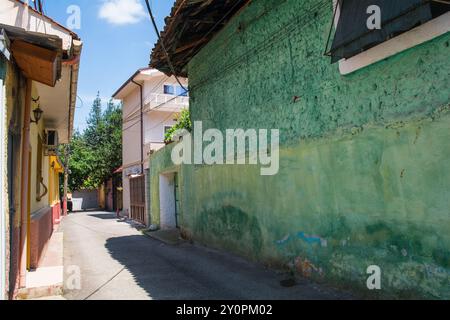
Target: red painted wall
{"x":56,"y":213}
{"x":41,"y":229}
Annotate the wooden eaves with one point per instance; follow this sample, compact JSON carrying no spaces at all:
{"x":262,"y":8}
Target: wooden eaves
{"x":37,"y":55}
{"x":190,"y":26}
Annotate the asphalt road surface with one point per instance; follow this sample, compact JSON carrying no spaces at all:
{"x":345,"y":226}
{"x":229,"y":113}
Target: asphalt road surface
{"x":108,"y":259}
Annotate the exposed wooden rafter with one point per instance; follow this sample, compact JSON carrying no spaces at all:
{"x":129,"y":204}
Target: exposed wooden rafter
{"x":190,"y":26}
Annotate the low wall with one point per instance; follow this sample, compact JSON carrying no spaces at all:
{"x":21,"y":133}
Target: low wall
{"x":85,"y":200}
{"x":338,"y":205}
{"x":41,"y":229}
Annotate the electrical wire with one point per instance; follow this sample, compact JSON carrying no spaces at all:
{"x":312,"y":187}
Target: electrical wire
{"x":214,"y":27}
{"x":156,"y":125}
{"x":276,"y":37}
{"x":136,"y":113}
{"x":162,"y":45}
{"x":137,"y":106}
{"x":159,"y":123}
{"x":131,"y":126}
{"x":284,"y":31}
{"x":136,"y":116}
{"x":280,"y":35}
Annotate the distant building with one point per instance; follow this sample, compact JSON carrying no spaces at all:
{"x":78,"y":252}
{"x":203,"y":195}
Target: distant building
{"x":158,"y":100}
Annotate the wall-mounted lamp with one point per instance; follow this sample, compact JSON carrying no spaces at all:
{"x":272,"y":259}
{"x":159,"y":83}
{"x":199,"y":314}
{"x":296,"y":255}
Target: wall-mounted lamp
{"x":37,"y":114}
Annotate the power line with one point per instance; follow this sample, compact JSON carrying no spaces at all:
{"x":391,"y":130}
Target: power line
{"x":135,"y":115}
{"x":215,"y":26}
{"x":280,"y":35}
{"x":130,"y":126}
{"x":284,"y":31}
{"x":153,"y":109}
{"x":162,"y":45}
{"x":145,"y":98}
{"x":161,"y":122}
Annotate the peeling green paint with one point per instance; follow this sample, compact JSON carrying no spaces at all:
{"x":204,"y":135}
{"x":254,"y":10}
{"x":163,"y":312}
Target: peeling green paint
{"x":364,"y":160}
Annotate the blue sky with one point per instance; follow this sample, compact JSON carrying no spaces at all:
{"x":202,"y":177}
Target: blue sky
{"x":118,"y":38}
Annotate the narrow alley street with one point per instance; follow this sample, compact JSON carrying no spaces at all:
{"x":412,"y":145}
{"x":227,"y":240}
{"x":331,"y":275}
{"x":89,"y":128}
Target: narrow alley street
{"x":119,"y":262}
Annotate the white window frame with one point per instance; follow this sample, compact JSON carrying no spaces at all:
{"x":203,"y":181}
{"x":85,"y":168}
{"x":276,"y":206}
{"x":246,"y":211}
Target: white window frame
{"x":423,"y":33}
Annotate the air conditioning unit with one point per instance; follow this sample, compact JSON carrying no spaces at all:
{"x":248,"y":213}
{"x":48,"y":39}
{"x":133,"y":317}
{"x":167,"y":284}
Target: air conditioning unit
{"x":51,"y":142}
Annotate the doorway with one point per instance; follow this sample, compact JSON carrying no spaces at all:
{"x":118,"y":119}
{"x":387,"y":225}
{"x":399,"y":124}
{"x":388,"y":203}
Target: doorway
{"x":169,"y":200}
{"x":137,"y":198}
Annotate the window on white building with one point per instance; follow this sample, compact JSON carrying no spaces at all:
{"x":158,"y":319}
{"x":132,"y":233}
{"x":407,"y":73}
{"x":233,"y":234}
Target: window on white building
{"x":169,"y":89}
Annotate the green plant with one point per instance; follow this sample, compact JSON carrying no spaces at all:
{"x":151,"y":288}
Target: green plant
{"x":183,"y":122}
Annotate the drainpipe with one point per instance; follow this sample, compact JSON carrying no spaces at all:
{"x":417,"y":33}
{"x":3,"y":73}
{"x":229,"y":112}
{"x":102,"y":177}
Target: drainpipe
{"x":70,"y":63}
{"x":142,"y":124}
{"x":74,"y":64}
{"x":24,"y":186}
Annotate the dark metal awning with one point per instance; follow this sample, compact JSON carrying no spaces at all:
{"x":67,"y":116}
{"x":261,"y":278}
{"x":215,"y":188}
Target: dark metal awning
{"x":352,"y":35}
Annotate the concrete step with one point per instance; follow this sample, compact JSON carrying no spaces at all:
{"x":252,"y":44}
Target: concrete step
{"x":170,"y":237}
{"x":48,"y":279}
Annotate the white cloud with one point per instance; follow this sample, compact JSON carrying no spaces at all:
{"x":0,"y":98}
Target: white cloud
{"x":122,"y":12}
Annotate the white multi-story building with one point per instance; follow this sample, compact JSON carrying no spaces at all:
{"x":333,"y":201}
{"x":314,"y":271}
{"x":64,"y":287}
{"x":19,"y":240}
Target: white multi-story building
{"x":152,"y":102}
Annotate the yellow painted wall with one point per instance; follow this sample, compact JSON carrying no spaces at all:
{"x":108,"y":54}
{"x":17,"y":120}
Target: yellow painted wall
{"x":35,"y":131}
{"x":53,"y":178}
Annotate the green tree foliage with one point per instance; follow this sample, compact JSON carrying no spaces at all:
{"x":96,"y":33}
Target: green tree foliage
{"x":96,"y":152}
{"x":183,"y":122}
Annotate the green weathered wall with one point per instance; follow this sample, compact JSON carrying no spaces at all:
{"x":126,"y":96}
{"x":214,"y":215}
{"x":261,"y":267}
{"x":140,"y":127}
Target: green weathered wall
{"x":364,"y":163}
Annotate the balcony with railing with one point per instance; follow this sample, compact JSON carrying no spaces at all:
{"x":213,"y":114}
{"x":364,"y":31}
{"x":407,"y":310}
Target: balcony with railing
{"x":166,"y":102}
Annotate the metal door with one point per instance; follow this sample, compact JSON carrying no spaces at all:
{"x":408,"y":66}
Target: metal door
{"x":137,"y":198}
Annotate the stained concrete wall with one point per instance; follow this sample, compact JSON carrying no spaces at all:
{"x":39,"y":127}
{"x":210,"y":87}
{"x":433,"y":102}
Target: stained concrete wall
{"x":364,"y":173}
{"x":86,"y":199}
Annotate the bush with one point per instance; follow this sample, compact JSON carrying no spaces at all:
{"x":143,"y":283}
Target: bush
{"x":183,"y":122}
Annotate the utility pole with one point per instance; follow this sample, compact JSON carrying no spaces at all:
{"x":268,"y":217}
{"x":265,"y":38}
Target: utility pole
{"x":66,"y":178}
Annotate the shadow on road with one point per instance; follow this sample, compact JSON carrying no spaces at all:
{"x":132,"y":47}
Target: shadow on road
{"x":104,"y":216}
{"x":189,"y":272}
{"x":161,"y":277}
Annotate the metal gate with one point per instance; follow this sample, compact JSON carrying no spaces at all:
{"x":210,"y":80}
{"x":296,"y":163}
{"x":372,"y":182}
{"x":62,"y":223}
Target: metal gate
{"x":177,"y":200}
{"x":137,"y":198}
